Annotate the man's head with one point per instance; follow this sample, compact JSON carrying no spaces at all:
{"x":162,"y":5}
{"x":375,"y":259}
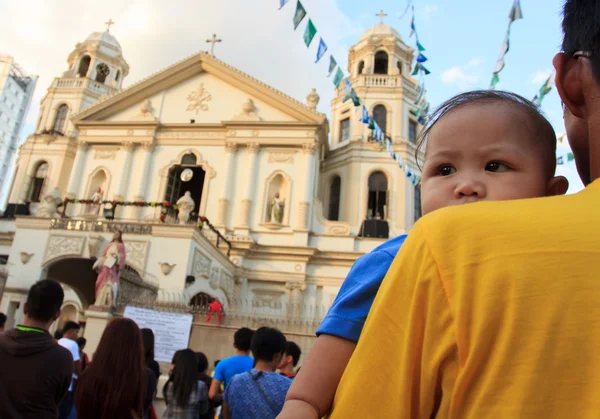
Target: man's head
{"x":2,"y":322}
{"x":268,"y":345}
{"x":81,"y":343}
{"x":71,"y":330}
{"x":488,"y":146}
{"x":43,"y":303}
{"x":242,"y":339}
{"x":578,"y":80}
{"x":291,"y":357}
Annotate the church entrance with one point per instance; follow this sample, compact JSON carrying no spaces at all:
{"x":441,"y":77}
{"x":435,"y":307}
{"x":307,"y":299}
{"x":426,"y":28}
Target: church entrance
{"x":186,"y":177}
{"x":77,"y":274}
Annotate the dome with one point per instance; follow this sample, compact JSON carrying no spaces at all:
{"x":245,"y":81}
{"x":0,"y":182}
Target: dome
{"x":105,"y":37}
{"x":381,"y":29}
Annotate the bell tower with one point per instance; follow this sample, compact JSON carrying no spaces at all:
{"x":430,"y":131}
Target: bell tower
{"x":362,"y":184}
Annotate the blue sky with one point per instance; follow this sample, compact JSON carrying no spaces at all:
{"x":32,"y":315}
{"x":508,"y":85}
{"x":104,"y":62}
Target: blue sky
{"x":462,"y":37}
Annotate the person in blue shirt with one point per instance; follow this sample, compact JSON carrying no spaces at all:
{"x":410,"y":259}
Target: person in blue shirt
{"x":237,"y":364}
{"x":259,"y":393}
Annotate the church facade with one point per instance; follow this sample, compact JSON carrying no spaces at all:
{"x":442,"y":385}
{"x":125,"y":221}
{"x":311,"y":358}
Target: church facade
{"x":223,"y":186}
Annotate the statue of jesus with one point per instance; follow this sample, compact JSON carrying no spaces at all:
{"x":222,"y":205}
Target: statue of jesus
{"x":110,"y":265}
{"x":276,"y":210}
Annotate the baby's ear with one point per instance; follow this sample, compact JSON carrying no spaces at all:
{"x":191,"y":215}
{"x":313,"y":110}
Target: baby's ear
{"x":558,"y":185}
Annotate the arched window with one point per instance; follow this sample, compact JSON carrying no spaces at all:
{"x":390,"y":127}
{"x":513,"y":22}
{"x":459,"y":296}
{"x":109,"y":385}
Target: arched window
{"x":418,"y":210}
{"x":189,"y":159}
{"x":60,"y":119}
{"x":37,"y":183}
{"x":378,"y":187}
{"x":200,"y":301}
{"x":102,"y":71}
{"x":118,"y":75}
{"x":380,"y":116}
{"x":381,"y":62}
{"x":334,"y":199}
{"x":399,"y":64}
{"x":84,"y":66}
{"x":361,"y":67}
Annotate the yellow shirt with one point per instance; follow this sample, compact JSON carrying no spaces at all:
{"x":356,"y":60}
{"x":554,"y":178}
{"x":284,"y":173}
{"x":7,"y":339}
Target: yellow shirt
{"x":490,"y":310}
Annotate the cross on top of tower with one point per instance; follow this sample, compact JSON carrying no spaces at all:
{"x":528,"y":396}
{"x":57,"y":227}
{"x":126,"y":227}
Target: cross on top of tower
{"x":213,"y":41}
{"x":108,"y":24}
{"x":381,"y":16}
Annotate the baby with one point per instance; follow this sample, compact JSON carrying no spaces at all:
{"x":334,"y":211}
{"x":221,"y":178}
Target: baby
{"x":480,"y":146}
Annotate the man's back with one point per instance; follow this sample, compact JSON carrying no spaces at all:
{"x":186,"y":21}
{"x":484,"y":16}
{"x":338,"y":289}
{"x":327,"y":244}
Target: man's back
{"x":489,"y":310}
{"x":35,"y":374}
{"x":229,"y":367}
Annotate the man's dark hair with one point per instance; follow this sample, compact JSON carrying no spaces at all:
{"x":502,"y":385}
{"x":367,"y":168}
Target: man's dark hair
{"x":81,"y":342}
{"x":242,"y":339}
{"x":2,"y":319}
{"x":581,"y":30}
{"x":266,"y":343}
{"x":70,"y":326}
{"x":544,"y":133}
{"x":294,"y":351}
{"x":58,"y":334}
{"x":44,"y":300}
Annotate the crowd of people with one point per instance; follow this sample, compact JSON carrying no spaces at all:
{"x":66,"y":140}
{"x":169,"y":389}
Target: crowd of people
{"x":484,"y":310}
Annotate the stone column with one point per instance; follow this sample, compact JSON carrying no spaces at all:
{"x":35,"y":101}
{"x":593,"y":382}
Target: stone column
{"x":137,"y":212}
{"x":96,"y":322}
{"x":246,"y":204}
{"x":128,"y":146}
{"x":76,"y":173}
{"x":308,"y":186}
{"x":223,"y":209}
{"x":295,"y":305}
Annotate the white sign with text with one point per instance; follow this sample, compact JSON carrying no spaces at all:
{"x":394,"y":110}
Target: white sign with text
{"x":171,"y":330}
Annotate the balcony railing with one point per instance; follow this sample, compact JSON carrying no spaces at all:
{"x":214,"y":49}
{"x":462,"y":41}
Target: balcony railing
{"x":79,"y":83}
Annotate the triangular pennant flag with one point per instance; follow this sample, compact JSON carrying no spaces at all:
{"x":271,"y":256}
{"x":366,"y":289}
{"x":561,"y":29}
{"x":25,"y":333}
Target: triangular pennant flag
{"x":282,"y":3}
{"x":420,"y":47}
{"x":421,"y":58}
{"x":332,"y":65}
{"x":427,"y":72}
{"x":309,"y":33}
{"x":365,"y":115}
{"x":570,"y":157}
{"x":299,"y":15}
{"x":560,"y":160}
{"x":355,"y":99}
{"x":416,"y":70}
{"x":322,"y":50}
{"x":371,"y":124}
{"x":408,"y":173}
{"x":495,"y":80}
{"x":515,"y":11}
{"x":347,"y":91}
{"x":536,"y":101}
{"x":339,"y":76}
{"x":413,"y":28}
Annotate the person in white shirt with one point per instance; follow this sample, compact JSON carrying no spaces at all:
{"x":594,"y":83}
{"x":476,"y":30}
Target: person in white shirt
{"x":68,"y":341}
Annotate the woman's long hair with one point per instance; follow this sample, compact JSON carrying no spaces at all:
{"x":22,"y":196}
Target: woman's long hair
{"x":114,"y":384}
{"x":184,"y":379}
{"x":148,"y":339}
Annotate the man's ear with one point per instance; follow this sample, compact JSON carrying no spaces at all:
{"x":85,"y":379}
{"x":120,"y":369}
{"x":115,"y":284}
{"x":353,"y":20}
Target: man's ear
{"x":558,"y":185}
{"x":569,"y":84}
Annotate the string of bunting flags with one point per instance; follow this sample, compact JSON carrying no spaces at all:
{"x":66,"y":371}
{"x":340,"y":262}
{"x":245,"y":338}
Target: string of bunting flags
{"x":569,"y":157}
{"x":544,"y":90}
{"x":378,"y":134}
{"x":515,"y":14}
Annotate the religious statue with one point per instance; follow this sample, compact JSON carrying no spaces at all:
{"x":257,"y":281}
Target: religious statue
{"x":276,"y":210}
{"x":47,"y":207}
{"x":109,"y":266}
{"x":96,"y":198}
{"x":215,"y":308}
{"x":185,"y":205}
{"x":313,"y":99}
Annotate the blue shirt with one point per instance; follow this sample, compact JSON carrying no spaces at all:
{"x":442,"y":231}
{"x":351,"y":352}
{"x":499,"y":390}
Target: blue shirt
{"x":246,"y":401}
{"x":231,"y":366}
{"x":347,"y":315}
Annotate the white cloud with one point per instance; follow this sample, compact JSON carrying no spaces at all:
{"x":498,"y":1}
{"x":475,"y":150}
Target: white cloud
{"x":257,"y":38}
{"x":428,"y":10}
{"x":465,"y":76}
{"x":540,"y":77}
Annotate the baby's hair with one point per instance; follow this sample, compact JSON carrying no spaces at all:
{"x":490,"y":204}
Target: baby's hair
{"x":544,"y":132}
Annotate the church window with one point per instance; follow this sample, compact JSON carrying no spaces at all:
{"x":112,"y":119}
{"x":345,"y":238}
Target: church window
{"x":102,"y":71}
{"x":118,"y":75}
{"x":378,"y":189}
{"x":361,"y":67}
{"x":399,"y":67}
{"x":345,"y":129}
{"x":37,"y":184}
{"x":334,"y":199}
{"x":380,"y":116}
{"x":412,"y":131}
{"x":418,"y":210}
{"x":381,"y":62}
{"x":200,"y":301}
{"x":84,"y":66}
{"x":189,"y":159}
{"x":60,"y":119}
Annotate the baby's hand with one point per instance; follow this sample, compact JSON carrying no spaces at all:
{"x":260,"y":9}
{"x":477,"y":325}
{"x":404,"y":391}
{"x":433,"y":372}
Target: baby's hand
{"x":298,"y":409}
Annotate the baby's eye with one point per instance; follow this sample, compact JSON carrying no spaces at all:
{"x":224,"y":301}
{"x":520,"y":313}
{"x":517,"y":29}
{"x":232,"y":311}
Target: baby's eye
{"x":446,"y":170}
{"x":496,"y":167}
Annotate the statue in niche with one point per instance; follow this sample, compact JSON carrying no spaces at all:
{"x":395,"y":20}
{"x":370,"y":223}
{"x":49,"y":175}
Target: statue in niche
{"x":185,"y":205}
{"x":276,"y":210}
{"x":109,"y":265}
{"x":96,"y":198}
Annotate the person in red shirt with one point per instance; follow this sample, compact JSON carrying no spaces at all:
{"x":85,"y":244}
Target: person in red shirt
{"x":290,"y":360}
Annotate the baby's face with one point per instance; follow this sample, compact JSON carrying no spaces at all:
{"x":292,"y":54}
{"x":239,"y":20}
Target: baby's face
{"x":482,"y":152}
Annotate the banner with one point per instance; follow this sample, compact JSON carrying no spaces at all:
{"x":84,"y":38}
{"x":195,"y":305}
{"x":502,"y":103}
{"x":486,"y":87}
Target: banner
{"x":309,"y":33}
{"x":299,"y":15}
{"x":322,"y":50}
{"x":332,"y":65}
